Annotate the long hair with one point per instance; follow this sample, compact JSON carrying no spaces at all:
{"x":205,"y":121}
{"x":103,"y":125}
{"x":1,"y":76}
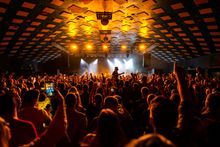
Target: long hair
{"x":5,"y":134}
{"x":109,"y":131}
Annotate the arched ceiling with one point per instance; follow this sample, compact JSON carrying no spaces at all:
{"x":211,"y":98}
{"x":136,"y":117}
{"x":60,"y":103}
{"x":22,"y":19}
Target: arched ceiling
{"x":171,"y":29}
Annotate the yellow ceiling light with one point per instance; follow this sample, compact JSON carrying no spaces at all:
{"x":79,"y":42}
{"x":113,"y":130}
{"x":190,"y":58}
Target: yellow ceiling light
{"x":123,"y":47}
{"x":89,"y":46}
{"x":74,"y":47}
{"x":142,"y":47}
{"x":105,"y":47}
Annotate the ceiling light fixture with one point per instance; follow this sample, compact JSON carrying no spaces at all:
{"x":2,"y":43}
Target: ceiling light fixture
{"x":104,"y":17}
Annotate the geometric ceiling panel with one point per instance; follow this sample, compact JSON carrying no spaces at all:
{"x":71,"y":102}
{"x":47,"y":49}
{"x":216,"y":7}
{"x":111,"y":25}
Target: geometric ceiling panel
{"x":180,"y":29}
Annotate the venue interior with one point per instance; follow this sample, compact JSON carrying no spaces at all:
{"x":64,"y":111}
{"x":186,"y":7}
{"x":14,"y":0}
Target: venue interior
{"x":109,"y":73}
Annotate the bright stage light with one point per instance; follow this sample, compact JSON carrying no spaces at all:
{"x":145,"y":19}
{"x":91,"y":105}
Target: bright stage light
{"x":82,"y":62}
{"x":111,"y":65}
{"x":95,"y":62}
{"x":129,"y":64}
{"x":118,"y":63}
{"x":91,"y":68}
{"x":83,"y":66}
{"x":123,"y":65}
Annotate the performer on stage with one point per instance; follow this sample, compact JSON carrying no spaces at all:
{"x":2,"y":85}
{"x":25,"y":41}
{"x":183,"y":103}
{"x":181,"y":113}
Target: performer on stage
{"x":115,"y":75}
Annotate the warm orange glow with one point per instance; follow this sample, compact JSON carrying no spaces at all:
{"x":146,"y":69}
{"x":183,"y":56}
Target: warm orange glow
{"x":74,"y":47}
{"x":88,"y":30}
{"x":105,"y":47}
{"x":123,"y":47}
{"x":143,"y":32}
{"x":72,"y":29}
{"x":125,"y":28}
{"x":142,"y":47}
{"x":89,"y":46}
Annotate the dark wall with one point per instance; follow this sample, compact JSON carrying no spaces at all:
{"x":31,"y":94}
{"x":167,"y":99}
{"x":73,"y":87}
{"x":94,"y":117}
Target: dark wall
{"x":73,"y":65}
{"x":10,"y":64}
{"x":161,"y":65}
{"x":210,"y":61}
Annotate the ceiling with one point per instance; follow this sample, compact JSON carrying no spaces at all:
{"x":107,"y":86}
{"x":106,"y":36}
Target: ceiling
{"x":171,"y":30}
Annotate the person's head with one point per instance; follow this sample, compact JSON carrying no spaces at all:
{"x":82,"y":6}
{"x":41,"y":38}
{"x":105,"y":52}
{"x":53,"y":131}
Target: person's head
{"x":151,"y":140}
{"x":42,"y":97}
{"x":98,"y":99}
{"x":144,"y":79}
{"x":149,"y":98}
{"x":61,"y":85}
{"x":163,"y":115}
{"x":71,"y":100}
{"x":111,"y":102}
{"x":74,"y":90}
{"x":99,"y":90}
{"x":31,"y":97}
{"x":8,"y":105}
{"x":212,"y":103}
{"x":85,"y":87}
{"x":5,"y":134}
{"x":144,"y":92}
{"x":116,"y":68}
{"x":119,"y":98}
{"x":135,"y":86}
{"x":127,"y":83}
{"x":91,"y":84}
{"x":107,"y":120}
{"x":109,"y":129}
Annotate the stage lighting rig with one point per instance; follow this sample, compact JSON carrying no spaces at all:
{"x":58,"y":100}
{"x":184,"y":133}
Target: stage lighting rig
{"x":104,"y":17}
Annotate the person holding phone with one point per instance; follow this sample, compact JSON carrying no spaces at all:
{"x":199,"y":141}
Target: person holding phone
{"x":30,"y":109}
{"x":49,"y":89}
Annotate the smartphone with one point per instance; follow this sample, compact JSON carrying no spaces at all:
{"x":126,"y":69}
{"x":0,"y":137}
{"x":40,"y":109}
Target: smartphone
{"x":49,"y":89}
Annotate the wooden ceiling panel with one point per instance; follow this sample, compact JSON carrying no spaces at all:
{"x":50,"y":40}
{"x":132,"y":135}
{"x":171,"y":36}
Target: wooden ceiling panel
{"x":57,"y":2}
{"x":158,"y":11}
{"x":205,"y":11}
{"x":173,"y":25}
{"x":41,"y":17}
{"x":30,"y":29}
{"x":28,"y":5}
{"x":17,"y":21}
{"x":200,"y":2}
{"x":48,"y":10}
{"x":35,"y":23}
{"x":177,"y":6}
{"x":22,"y":13}
{"x":184,"y":14}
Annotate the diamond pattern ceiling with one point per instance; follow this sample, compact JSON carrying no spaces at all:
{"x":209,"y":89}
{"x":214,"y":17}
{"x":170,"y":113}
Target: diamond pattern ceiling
{"x":31,"y":30}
